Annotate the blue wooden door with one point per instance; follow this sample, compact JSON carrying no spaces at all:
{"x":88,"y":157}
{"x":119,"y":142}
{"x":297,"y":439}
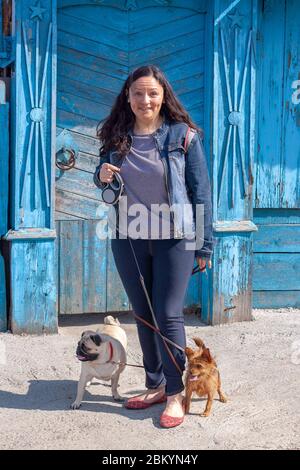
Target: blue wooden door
{"x":99,"y":43}
{"x":276,"y":280}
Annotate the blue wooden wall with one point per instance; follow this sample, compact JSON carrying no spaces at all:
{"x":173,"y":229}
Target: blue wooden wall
{"x":276,"y":276}
{"x":233,"y":76}
{"x":98,"y":45}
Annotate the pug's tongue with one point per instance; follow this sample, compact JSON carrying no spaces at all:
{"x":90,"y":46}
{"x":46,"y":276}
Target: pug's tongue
{"x":82,"y":358}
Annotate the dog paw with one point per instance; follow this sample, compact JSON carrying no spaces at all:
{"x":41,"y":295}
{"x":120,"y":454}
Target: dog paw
{"x":205,"y":414}
{"x":75,"y":406}
{"x":223,"y":399}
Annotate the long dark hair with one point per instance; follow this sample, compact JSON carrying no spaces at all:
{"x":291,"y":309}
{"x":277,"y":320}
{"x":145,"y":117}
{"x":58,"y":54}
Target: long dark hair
{"x":113,"y":132}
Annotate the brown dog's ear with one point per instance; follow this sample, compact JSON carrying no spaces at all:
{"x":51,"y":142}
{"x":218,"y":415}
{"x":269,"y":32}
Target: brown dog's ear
{"x":189,"y":352}
{"x":206,"y":355}
{"x":199,"y":343}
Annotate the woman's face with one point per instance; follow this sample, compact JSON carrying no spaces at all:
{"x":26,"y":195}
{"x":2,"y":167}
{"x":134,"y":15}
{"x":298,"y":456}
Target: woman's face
{"x":146,"y":97}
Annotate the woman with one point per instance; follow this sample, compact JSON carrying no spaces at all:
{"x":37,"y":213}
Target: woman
{"x":144,"y":140}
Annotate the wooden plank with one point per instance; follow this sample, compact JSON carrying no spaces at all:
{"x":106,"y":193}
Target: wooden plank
{"x":76,"y":205}
{"x":34,"y":306}
{"x":276,"y":271}
{"x":79,"y":124}
{"x":30,"y":234}
{"x":184,"y":86}
{"x":139,"y":21}
{"x":188,"y":69}
{"x":277,"y":239}
{"x":63,"y":216}
{"x":171,"y":32}
{"x":197,"y":116}
{"x":169,"y":62}
{"x":109,"y":84}
{"x":94,"y":48}
{"x":86,"y":143}
{"x":226,"y":292}
{"x":82,"y":284}
{"x":197,"y":5}
{"x":92,"y":63}
{"x":276,"y":299}
{"x":94,"y":269}
{"x":268,"y":181}
{"x":142,"y":20}
{"x":101,"y":16}
{"x":4,"y":164}
{"x":276,"y":216}
{"x":77,"y":182}
{"x":193,"y":98}
{"x":84,"y":90}
{"x":226,"y":226}
{"x":194,"y":52}
{"x":86,"y":162}
{"x":114,"y":39}
{"x":81,"y":106}
{"x":167,"y":47}
{"x":290,"y":164}
{"x":71,"y":267}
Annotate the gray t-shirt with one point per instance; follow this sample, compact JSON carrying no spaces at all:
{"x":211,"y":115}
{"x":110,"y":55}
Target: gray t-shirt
{"x":143,"y":173}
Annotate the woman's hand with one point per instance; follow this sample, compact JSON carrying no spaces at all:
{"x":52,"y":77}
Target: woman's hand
{"x":106,"y":174}
{"x":203,"y":263}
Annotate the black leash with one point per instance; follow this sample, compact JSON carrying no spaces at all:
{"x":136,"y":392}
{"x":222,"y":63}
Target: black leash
{"x":155,"y":327}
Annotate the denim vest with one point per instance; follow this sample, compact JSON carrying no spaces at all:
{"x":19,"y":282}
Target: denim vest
{"x":186,"y":177}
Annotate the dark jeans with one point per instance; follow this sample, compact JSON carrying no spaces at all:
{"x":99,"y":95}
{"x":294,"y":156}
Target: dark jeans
{"x":166,"y":266}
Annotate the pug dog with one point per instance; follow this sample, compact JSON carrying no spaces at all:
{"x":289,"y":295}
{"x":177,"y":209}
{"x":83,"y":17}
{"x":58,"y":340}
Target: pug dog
{"x":103,"y":356}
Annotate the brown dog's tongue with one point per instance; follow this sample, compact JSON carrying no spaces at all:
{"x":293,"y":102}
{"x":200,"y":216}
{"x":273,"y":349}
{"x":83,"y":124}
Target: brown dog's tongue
{"x":193,"y":378}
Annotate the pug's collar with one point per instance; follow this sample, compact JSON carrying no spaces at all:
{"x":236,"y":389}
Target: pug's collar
{"x":111,"y":352}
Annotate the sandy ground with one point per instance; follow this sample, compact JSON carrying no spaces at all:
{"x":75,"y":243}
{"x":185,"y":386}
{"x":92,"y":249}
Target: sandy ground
{"x":259,"y":363}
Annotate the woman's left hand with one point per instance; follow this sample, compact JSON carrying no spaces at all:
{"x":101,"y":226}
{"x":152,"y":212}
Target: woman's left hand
{"x":203,"y":263}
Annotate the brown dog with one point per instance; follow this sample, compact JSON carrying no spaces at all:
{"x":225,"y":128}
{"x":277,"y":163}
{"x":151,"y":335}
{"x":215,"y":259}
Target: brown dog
{"x":202,"y":377}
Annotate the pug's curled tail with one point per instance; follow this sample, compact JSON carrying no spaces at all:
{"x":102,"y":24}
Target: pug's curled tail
{"x":109,"y":320}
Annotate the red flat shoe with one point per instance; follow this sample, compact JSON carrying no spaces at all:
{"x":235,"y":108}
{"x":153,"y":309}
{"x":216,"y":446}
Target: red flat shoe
{"x":167,"y":421}
{"x":135,"y":404}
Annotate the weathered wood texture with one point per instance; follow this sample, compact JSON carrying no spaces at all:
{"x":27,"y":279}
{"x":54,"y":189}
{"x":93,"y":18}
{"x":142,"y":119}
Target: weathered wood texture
{"x":226,"y":293}
{"x":88,"y":278}
{"x":276,"y":275}
{"x":33,"y":287}
{"x":228,"y":286}
{"x":98,"y":45}
{"x":33,"y":115}
{"x":33,"y":110}
{"x":278,"y":152}
{"x":277,"y":186}
{"x":4,"y":162}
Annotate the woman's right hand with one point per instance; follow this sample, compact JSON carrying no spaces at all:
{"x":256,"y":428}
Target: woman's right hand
{"x":106,"y":174}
